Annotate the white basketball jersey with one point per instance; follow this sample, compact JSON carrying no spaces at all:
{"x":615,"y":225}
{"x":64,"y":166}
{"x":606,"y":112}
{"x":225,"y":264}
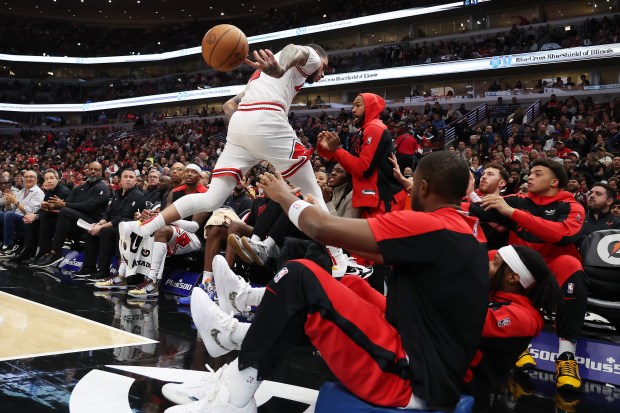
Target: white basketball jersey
{"x":264,"y":91}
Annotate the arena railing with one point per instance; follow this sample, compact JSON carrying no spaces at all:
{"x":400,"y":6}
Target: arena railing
{"x":472,"y":118}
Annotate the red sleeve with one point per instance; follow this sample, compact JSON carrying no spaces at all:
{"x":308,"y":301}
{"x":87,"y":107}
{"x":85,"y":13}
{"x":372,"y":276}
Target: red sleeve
{"x":512,"y":320}
{"x":357,"y":165}
{"x":565,"y":230}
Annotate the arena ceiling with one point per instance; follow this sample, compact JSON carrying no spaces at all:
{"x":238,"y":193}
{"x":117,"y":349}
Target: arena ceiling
{"x":140,"y":12}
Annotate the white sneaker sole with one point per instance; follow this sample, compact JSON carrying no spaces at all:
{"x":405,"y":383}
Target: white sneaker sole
{"x":175,"y":392}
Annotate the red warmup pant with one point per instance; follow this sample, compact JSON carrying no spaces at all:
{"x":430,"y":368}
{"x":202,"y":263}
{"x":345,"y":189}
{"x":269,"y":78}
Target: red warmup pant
{"x":345,"y":322}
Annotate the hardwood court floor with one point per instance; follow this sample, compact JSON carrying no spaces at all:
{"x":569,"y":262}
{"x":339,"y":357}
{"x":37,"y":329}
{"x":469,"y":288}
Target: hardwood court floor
{"x":84,"y":380}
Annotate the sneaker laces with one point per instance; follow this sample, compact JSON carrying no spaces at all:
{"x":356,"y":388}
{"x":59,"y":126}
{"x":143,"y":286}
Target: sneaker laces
{"x":568,"y":368}
{"x":205,"y":385}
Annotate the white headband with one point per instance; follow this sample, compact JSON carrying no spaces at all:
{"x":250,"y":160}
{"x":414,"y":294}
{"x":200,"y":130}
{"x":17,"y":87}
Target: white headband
{"x":194,"y":167}
{"x":512,"y":259}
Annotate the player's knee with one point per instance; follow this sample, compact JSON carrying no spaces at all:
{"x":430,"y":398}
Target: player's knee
{"x":163,"y":234}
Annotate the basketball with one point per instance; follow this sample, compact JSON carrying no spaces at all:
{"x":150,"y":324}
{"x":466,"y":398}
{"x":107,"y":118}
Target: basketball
{"x":224,"y":47}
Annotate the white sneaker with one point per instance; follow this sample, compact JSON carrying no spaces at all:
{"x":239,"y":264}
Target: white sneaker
{"x":340,"y":261}
{"x":221,"y":404}
{"x":259,"y":251}
{"x":205,"y":388}
{"x":353,"y":268}
{"x":214,"y":325}
{"x":235,"y":243}
{"x":232,"y":290}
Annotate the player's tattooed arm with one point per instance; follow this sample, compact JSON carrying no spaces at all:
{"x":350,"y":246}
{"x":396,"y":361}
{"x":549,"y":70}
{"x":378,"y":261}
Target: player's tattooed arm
{"x":290,"y":56}
{"x":293,"y":55}
{"x":232,"y":104}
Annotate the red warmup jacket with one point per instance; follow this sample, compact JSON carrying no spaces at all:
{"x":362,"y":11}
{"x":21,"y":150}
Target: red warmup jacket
{"x":549,"y":225}
{"x":368,"y":163}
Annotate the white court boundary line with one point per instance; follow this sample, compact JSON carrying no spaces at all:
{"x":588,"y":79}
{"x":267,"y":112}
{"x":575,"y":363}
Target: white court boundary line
{"x":142,"y":340}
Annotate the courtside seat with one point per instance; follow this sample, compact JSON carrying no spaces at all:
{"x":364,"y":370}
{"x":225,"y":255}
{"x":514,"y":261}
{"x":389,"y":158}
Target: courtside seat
{"x":601,"y":263}
{"x":335,"y":398}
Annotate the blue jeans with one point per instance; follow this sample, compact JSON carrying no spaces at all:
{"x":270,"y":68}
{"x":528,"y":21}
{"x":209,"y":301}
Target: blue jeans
{"x":11,"y":222}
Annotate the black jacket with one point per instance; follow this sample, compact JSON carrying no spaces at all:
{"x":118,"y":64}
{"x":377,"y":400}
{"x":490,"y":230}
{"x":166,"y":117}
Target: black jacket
{"x":124,"y":206}
{"x":90,"y":199}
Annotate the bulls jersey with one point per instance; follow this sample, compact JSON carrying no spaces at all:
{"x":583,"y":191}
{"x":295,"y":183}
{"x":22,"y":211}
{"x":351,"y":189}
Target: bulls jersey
{"x":266,"y":92}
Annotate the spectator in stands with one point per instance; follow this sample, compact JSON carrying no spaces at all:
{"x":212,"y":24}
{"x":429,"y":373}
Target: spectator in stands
{"x":6,"y":185}
{"x":614,"y":170}
{"x":102,"y":237}
{"x":574,"y":188}
{"x":177,"y":178}
{"x":87,"y":202}
{"x":488,"y":135}
{"x":406,"y":146}
{"x":153,"y":194}
{"x":51,"y":187}
{"x":598,"y":216}
{"x":28,"y":200}
{"x":615,"y":208}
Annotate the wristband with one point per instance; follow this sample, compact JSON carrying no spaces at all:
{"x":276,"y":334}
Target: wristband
{"x":295,"y":211}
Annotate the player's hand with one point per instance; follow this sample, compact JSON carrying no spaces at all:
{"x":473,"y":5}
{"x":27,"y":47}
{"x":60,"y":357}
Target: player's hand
{"x":330,"y":141}
{"x":397,"y":174}
{"x":498,"y":203}
{"x":266,"y":62}
{"x":274,"y":186}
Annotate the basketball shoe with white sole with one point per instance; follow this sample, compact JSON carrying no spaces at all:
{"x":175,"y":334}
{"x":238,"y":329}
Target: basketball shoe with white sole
{"x":232,"y":290}
{"x":205,"y":388}
{"x":214,"y":325}
{"x":220,"y":404}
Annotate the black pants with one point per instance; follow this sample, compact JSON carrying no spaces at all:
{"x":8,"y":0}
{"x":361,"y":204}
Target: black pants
{"x":41,"y":231}
{"x":569,"y":318}
{"x":274,"y":223}
{"x":105,"y":245}
{"x":351,"y":333}
{"x":66,"y":225}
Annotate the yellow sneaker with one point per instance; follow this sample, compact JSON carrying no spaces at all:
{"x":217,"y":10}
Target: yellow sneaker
{"x":525,"y":361}
{"x":112,"y":283}
{"x":519,"y":385}
{"x":566,"y":403}
{"x":567,"y":372}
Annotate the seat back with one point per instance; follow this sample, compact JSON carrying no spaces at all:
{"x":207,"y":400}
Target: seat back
{"x":601,"y":262}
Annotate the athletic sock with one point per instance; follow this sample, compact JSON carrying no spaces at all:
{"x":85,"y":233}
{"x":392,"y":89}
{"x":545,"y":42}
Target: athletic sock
{"x":207,"y":277}
{"x":255,"y":238}
{"x":151,"y":226}
{"x":255,"y":296}
{"x":157,"y":261}
{"x":241,"y":385}
{"x":567,"y":345}
{"x":238,"y":334}
{"x":269,"y":243}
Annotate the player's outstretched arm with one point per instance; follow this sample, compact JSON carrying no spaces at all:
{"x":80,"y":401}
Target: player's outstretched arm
{"x":232,"y":104}
{"x":351,"y":234}
{"x":290,"y":56}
